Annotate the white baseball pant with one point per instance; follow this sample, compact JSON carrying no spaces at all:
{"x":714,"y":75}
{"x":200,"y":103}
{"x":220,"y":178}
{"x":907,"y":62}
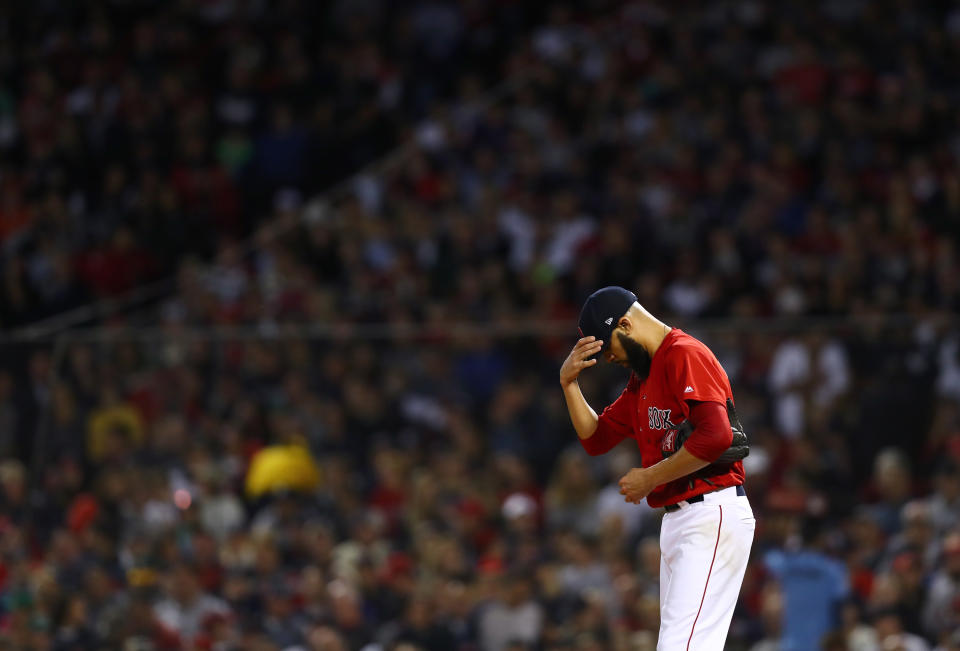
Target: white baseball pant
{"x":704,"y":548}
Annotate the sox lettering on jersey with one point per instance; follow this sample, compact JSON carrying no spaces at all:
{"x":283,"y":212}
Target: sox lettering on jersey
{"x":659,"y":418}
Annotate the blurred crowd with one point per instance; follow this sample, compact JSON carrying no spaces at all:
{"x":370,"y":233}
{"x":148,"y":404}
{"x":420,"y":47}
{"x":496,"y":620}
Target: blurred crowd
{"x":732,"y":160}
{"x":726,"y":159}
{"x":138,"y":134}
{"x":452,"y":508}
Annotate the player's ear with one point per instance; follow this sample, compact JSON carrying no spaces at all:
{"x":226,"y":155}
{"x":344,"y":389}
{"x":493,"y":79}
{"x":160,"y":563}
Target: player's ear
{"x":625,"y":324}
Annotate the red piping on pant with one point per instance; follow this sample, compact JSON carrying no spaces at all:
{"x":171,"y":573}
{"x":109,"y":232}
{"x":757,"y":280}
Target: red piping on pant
{"x":717,"y":544}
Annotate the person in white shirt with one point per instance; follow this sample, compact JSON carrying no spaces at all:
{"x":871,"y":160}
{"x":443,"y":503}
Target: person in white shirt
{"x":515,"y":616}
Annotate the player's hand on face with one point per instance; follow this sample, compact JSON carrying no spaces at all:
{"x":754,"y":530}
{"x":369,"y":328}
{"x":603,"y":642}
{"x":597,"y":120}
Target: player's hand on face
{"x":636,"y":485}
{"x":577,"y":359}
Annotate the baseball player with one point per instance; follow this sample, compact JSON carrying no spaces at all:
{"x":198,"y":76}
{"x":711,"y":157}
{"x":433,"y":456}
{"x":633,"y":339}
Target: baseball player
{"x":678,"y":407}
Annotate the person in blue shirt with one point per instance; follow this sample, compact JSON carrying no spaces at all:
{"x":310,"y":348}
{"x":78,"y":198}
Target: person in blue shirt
{"x":813,"y":585}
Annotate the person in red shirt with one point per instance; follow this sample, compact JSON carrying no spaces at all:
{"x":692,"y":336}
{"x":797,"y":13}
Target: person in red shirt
{"x":707,"y":532}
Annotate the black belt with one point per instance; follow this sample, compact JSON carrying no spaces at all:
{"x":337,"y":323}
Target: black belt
{"x":670,"y":508}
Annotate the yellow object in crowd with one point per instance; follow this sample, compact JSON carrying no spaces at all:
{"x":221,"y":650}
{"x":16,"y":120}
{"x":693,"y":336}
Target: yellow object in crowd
{"x":282,"y":467}
{"x":109,"y":420}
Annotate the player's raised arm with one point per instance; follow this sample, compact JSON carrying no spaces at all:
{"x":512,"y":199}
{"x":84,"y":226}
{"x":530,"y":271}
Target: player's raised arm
{"x":582,"y":415}
{"x":600,"y":316}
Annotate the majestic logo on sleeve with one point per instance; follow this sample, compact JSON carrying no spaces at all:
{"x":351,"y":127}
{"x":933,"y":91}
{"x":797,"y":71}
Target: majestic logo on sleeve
{"x":659,"y":418}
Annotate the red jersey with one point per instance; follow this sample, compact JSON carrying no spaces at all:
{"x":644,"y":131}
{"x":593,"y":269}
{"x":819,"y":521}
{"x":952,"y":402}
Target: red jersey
{"x":682,"y":369}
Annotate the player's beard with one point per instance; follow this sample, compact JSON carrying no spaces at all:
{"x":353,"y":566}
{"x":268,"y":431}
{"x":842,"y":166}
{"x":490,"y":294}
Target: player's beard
{"x":638,"y":358}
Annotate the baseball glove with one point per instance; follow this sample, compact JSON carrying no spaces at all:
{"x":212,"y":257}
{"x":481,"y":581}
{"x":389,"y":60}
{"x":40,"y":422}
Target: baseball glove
{"x":739,"y":447}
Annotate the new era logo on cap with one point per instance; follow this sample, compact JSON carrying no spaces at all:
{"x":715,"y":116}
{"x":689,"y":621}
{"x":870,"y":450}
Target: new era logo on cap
{"x":689,"y":389}
{"x":609,"y":320}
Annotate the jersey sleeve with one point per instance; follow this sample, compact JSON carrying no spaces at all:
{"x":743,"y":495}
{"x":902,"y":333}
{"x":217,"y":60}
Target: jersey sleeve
{"x":613,"y":424}
{"x":711,"y":431}
{"x":695,"y":374}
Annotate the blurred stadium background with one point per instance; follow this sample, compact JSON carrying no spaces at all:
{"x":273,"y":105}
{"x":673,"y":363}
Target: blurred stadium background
{"x":286,"y":286}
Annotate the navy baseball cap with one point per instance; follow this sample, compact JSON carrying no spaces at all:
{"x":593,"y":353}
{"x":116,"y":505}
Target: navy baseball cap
{"x":602,"y":310}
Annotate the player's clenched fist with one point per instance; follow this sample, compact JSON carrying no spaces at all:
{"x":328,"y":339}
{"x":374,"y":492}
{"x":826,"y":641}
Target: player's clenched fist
{"x":579,"y":359}
{"x":636,"y":485}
